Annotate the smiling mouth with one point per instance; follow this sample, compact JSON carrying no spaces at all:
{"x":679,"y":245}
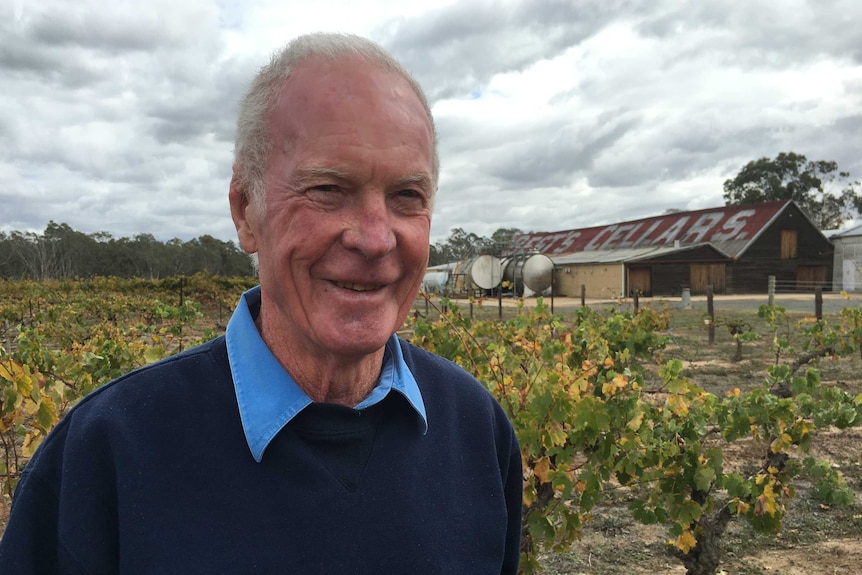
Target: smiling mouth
{"x":356,"y":287}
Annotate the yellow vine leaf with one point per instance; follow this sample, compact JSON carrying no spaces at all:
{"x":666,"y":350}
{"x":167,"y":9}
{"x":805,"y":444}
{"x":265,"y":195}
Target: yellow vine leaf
{"x":10,"y":370}
{"x":542,"y":468}
{"x":31,"y":441}
{"x":677,"y":405}
{"x":557,"y":435}
{"x":781,"y":443}
{"x":635,"y":423}
{"x":766,"y":502}
{"x":686,"y":541}
{"x":30,"y":406}
{"x":805,"y":426}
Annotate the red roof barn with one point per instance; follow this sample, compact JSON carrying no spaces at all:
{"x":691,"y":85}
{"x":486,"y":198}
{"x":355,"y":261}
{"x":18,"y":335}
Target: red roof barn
{"x":733,"y":248}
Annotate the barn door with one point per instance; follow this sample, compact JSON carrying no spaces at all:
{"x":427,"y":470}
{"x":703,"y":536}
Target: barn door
{"x":703,"y":275}
{"x":640,"y":281}
{"x":810,"y":277}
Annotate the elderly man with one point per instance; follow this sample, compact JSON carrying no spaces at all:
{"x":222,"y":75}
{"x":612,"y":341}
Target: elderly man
{"x":309,"y":439}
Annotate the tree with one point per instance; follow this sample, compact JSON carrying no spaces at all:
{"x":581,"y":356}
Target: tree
{"x":824,"y":193}
{"x":458,"y":246}
{"x":461,"y":245}
{"x":500,"y":240}
{"x":61,"y":252}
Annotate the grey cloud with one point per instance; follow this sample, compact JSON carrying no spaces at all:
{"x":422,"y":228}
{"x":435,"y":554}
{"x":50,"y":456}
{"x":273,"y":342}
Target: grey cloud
{"x":207,"y":106}
{"x":457,"y":49}
{"x":555,"y":155}
{"x":760,"y":35}
{"x":95,"y":31}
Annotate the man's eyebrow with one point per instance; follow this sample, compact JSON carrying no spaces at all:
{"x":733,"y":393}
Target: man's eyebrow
{"x":421,"y":179}
{"x":306,"y":175}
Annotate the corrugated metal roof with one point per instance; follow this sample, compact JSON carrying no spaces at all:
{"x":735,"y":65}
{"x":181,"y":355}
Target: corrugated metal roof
{"x":848,"y":233}
{"x":730,"y":229}
{"x":624,"y":255}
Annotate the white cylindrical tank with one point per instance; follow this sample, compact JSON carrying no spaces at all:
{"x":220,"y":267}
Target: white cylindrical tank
{"x":529,"y":274}
{"x":434,"y":281}
{"x":486,"y":271}
{"x":538,"y":272}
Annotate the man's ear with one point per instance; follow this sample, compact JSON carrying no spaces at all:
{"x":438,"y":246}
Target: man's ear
{"x":243,"y":212}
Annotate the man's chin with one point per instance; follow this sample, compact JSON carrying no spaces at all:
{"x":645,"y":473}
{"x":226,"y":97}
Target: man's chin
{"x":354,"y":341}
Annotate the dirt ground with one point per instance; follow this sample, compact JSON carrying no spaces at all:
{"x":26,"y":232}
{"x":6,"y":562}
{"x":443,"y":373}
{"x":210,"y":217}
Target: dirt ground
{"x":831,"y":557}
{"x":815,"y":540}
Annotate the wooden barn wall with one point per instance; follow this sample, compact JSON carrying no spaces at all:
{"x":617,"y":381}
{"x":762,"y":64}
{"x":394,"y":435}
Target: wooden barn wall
{"x":669,"y":279}
{"x":672,"y":272}
{"x":601,"y":280}
{"x":750,"y":273}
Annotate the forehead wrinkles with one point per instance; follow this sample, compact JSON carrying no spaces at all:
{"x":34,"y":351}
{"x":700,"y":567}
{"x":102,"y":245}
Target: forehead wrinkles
{"x":343,"y":91}
{"x":328,"y":110}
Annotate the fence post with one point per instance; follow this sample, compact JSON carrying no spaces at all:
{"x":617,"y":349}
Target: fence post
{"x":771,"y":290}
{"x":818,"y":303}
{"x":636,"y":301}
{"x":686,"y":298}
{"x":710,"y":309}
{"x":583,"y":295}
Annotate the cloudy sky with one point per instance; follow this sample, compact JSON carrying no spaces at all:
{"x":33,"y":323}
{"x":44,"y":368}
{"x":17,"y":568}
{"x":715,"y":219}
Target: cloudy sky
{"x":552,"y":114}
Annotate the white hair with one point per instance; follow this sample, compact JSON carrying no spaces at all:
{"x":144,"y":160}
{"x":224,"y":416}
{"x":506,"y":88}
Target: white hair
{"x":253,"y":142}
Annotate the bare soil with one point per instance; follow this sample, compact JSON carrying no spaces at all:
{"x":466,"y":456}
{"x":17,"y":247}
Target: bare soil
{"x":815,"y":540}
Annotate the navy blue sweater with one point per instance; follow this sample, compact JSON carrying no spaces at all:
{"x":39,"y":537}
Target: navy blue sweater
{"x":152,"y":474}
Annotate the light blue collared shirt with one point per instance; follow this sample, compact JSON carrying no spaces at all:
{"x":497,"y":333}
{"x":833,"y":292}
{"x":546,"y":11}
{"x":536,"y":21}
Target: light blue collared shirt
{"x":267,"y":395}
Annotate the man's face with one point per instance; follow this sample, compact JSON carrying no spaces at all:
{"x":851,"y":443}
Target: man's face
{"x":343,"y":241}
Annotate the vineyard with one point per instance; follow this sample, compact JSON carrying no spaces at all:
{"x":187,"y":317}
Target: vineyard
{"x":645,"y":449}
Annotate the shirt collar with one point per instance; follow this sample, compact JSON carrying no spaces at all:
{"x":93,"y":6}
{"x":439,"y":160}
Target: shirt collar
{"x":268,"y":397}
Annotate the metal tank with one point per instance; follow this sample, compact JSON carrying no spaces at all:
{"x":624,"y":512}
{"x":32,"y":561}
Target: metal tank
{"x":529,"y":274}
{"x":435,"y":281}
{"x":479,"y":272}
{"x":486,"y":271}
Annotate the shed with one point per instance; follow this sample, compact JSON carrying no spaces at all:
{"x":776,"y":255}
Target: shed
{"x":847,"y":268}
{"x":732,"y":248}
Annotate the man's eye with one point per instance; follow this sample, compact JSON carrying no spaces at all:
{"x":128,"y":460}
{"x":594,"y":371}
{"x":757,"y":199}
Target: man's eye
{"x":325,"y":188}
{"x":410,"y":200}
{"x":326,"y":195}
{"x":411,"y":195}
{"x":323,"y":191}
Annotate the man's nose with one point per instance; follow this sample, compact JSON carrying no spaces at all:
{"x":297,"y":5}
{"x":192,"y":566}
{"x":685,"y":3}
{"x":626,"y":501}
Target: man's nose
{"x":370,"y":229}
